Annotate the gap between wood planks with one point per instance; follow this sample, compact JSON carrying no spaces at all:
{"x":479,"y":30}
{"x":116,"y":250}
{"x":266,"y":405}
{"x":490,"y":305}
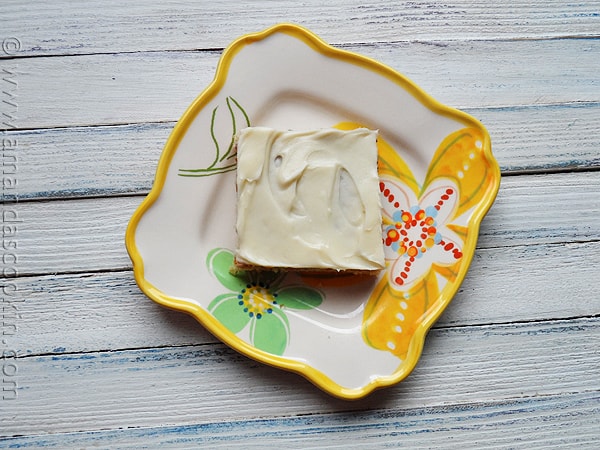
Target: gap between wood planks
{"x":534,"y":370}
{"x":510,"y":79}
{"x":471,"y":110}
{"x":456,"y":418}
{"x":344,"y":46}
{"x":577,"y":153}
{"x":567,"y":321}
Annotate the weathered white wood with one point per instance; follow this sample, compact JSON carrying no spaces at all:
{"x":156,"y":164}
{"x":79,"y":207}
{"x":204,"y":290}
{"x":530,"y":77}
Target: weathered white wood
{"x":64,"y":27}
{"x":566,"y":421}
{"x":88,"y":161}
{"x":109,"y":160}
{"x":105,"y":89}
{"x":95,"y":312}
{"x":155,"y":87}
{"x":88,"y":235}
{"x":206,"y":384}
{"x":546,"y":138}
{"x":513,"y":362}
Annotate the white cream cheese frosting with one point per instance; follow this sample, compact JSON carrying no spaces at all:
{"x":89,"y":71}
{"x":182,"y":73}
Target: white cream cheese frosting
{"x":309,"y":199}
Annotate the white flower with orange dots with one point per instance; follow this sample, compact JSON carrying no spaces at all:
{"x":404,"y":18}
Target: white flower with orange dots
{"x":430,"y":226}
{"x":415,"y":235}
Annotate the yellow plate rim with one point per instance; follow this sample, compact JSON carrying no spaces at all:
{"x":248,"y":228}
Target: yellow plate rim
{"x":209,"y":321}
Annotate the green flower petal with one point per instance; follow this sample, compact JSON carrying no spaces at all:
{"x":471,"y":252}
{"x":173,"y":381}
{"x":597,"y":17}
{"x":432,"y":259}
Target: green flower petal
{"x":299,"y":297}
{"x":227,"y":310}
{"x":219,"y":261}
{"x":271,"y":332}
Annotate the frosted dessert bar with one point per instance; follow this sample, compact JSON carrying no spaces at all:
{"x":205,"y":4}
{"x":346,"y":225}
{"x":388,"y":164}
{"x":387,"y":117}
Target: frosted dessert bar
{"x":308,"y":200}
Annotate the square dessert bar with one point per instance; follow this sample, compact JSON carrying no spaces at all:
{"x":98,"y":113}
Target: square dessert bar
{"x":308,"y":200}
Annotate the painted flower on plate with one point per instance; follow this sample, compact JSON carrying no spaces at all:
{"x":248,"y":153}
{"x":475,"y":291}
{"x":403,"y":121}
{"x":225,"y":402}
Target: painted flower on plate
{"x":429,"y":234}
{"x":257,"y":300}
{"x":415,"y":234}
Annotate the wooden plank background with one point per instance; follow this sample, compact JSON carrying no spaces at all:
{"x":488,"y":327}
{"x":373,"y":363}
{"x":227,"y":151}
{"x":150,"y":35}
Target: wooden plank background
{"x":90,"y":93}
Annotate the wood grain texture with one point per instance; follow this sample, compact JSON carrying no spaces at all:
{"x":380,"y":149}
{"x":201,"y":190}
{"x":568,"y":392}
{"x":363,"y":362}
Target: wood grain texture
{"x":88,"y":235}
{"x":158,"y":86}
{"x":65,"y":27}
{"x":89,"y":93}
{"x":98,"y":161}
{"x":206,"y":384}
{"x":95,"y":312}
{"x":116,"y":160}
{"x":562,"y":421}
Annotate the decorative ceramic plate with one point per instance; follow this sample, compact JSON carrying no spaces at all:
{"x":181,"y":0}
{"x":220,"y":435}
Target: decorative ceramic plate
{"x":346,"y":334}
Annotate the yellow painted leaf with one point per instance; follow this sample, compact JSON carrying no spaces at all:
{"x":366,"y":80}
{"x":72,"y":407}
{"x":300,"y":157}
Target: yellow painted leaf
{"x":461,"y":157}
{"x":391,"y":316}
{"x":459,"y":230}
{"x":448,"y":272}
